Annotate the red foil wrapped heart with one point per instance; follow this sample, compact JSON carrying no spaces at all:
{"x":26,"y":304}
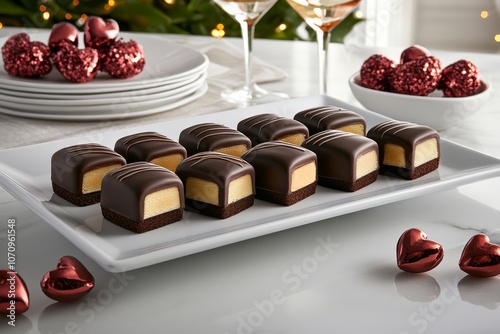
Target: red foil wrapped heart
{"x":77,"y":65}
{"x":61,"y":33}
{"x":99,"y":33}
{"x":414,"y":52}
{"x":24,"y":58}
{"x":124,"y":59}
{"x":480,"y":257}
{"x":69,"y":281}
{"x":14,"y":294}
{"x":416,"y":254}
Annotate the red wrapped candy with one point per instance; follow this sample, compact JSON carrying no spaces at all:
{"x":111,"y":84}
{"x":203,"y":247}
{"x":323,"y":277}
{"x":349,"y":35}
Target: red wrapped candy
{"x":417,"y":77}
{"x":77,"y":65}
{"x":62,"y":33}
{"x":460,"y":79}
{"x":375,"y":72}
{"x":124,"y":59}
{"x":414,"y":52}
{"x":24,"y":58}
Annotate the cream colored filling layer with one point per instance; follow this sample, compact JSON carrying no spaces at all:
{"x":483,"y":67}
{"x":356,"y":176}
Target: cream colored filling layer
{"x":394,"y":155}
{"x":303,"y":176}
{"x":92,"y":179}
{"x":296,"y":139}
{"x":168,"y":161}
{"x":366,"y":164}
{"x":208,"y":192}
{"x":161,"y":201}
{"x":358,"y":129}
{"x":235,"y":150}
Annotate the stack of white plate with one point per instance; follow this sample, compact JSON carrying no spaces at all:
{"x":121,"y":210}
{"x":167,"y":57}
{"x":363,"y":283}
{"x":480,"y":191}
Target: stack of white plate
{"x":174,"y":75}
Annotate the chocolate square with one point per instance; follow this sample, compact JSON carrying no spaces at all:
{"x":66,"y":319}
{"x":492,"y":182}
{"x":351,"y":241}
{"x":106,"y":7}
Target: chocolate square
{"x":331,"y":118}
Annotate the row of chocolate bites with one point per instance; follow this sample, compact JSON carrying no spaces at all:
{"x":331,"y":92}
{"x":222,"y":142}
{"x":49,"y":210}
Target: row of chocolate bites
{"x":148,"y":179}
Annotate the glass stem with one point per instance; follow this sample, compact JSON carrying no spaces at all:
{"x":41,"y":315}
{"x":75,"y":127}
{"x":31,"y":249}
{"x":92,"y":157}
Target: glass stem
{"x":323,"y":41}
{"x":247,"y":32}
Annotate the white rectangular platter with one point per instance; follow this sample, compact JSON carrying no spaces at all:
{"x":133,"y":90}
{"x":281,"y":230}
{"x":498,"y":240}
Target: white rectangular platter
{"x":25,"y":173}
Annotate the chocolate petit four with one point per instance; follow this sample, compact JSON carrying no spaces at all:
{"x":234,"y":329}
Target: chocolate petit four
{"x":346,"y":161}
{"x":270,"y":127}
{"x":284,"y":173}
{"x":331,"y":118}
{"x":214,"y":137}
{"x":151,"y":147}
{"x":77,"y":171}
{"x":141,"y":196}
{"x":216,"y":184}
{"x":406,"y":149}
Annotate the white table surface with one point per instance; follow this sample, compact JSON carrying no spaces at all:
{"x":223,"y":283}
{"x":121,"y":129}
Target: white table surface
{"x":333,"y":276}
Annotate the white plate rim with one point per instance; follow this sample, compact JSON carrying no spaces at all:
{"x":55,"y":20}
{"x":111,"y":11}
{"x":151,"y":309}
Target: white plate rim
{"x":176,"y":103}
{"x":132,"y":97}
{"x":480,"y":167}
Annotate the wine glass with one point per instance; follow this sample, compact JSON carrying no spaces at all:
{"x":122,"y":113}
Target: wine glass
{"x":247,"y":13}
{"x":322,"y":16}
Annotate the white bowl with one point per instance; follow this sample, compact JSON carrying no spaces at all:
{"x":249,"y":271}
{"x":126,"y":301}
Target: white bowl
{"x":435,"y":110}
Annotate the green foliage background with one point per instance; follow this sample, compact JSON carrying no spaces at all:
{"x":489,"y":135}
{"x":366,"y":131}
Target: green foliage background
{"x":196,"y":17}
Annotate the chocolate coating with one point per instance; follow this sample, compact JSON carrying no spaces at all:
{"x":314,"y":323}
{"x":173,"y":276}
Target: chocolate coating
{"x":269,"y":127}
{"x":209,"y":137}
{"x":274,"y":163}
{"x":215,"y":167}
{"x":404,"y":134}
{"x":146,"y":146}
{"x":124,"y":189}
{"x":337,"y":153}
{"x":328,"y":118}
{"x":69,"y":164}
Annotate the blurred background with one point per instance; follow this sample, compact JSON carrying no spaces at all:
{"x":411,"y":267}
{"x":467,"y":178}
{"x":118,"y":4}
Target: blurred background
{"x":440,"y":24}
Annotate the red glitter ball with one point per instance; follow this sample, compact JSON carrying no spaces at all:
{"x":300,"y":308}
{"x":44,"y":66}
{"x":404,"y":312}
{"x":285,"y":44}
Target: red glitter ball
{"x":417,"y":77}
{"x":375,"y":72}
{"x":23,"y":58}
{"x":77,"y":65}
{"x":124,"y":59}
{"x":414,"y":52}
{"x":460,"y":79}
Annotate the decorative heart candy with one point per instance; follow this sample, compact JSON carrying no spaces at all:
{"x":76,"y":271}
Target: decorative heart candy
{"x":69,"y":281}
{"x":99,"y":33}
{"x":415,"y":253}
{"x":124,"y":59}
{"x":62,"y":32}
{"x":24,"y":58}
{"x":77,"y":65}
{"x":480,"y":257}
{"x":14,"y":295}
{"x":414,"y":52}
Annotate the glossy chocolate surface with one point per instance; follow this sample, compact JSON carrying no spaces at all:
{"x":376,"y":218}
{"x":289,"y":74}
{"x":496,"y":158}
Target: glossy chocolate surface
{"x":124,"y":189}
{"x":328,"y":118}
{"x":268,"y":127}
{"x":274,"y":163}
{"x":337,"y":153}
{"x":209,"y":137}
{"x":146,"y":146}
{"x":69,"y":164}
{"x":215,"y":167}
{"x":404,"y":134}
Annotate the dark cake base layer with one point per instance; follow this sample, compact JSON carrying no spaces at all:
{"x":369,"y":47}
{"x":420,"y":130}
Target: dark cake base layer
{"x":77,"y":199}
{"x":349,"y":186}
{"x":147,"y":224}
{"x":217,"y":211}
{"x":286,"y":199}
{"x":411,"y":174}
